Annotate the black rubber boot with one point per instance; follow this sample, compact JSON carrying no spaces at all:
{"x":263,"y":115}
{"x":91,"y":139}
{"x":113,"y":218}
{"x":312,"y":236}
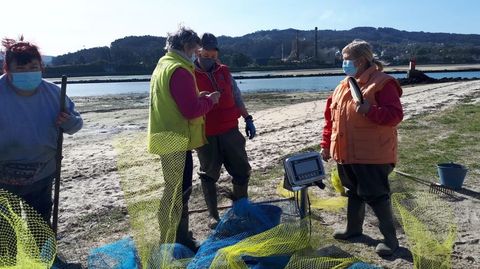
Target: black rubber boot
{"x":209,"y":189}
{"x":383,"y":211}
{"x":184,"y":236}
{"x":240,"y":191}
{"x":355,"y":217}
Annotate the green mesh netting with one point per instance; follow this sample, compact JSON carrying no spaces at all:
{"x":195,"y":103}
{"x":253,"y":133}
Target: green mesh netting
{"x":429,"y":226}
{"x":336,"y":182}
{"x":334,"y":203}
{"x":26,"y":240}
{"x":152,"y":187}
{"x":299,"y":261}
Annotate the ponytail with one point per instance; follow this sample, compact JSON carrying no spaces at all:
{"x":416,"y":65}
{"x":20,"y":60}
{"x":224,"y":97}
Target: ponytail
{"x":378,"y":63}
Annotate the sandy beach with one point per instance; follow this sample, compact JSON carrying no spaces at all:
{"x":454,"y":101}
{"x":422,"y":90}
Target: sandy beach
{"x":92,"y":206}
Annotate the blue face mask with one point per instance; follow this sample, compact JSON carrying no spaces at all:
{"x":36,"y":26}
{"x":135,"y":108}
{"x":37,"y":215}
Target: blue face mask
{"x":349,"y":68}
{"x":26,"y":81}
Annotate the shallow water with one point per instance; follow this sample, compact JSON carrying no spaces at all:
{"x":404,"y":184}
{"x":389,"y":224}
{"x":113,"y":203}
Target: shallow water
{"x":319,"y":83}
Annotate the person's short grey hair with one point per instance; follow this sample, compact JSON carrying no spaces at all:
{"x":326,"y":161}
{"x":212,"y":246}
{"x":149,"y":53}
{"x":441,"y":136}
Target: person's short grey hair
{"x":183,"y":36}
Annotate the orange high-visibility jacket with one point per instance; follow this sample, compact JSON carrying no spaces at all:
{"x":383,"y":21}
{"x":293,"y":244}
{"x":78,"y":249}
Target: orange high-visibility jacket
{"x":356,"y":139}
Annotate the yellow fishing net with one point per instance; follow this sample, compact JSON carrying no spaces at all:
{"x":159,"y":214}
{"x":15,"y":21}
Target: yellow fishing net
{"x":26,"y":240}
{"x":336,"y":182}
{"x":280,"y":240}
{"x":429,"y":226}
{"x":333,"y":203}
{"x":153,"y":192}
{"x":152,"y":186}
{"x":301,"y":241}
{"x":300,"y":261}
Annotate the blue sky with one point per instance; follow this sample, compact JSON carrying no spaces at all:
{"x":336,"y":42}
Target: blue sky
{"x":62,"y":26}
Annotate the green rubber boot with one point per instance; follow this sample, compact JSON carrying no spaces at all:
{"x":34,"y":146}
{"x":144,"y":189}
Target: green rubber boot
{"x":355,"y":217}
{"x":209,"y":189}
{"x":383,"y":211}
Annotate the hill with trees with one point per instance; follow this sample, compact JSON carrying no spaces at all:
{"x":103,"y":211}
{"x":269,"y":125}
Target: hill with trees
{"x":276,"y":49}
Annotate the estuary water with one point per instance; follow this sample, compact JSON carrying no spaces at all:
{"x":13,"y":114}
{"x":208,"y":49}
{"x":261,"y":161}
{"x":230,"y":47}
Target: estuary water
{"x":318,"y":83}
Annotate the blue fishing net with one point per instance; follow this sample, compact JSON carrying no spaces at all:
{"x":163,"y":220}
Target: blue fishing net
{"x":243,"y":220}
{"x":362,"y":265}
{"x":118,"y":255}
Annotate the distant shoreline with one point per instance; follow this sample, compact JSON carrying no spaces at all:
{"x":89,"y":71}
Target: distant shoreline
{"x":299,"y":73}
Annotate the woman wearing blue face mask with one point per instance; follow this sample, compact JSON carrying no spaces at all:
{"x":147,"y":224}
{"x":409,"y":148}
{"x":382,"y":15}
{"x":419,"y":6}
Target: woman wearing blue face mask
{"x":362,"y":138}
{"x":29,"y":120}
{"x":29,"y":127}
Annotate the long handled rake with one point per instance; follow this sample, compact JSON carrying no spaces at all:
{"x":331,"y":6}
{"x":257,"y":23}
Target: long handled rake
{"x":434,"y":187}
{"x":63,"y":91}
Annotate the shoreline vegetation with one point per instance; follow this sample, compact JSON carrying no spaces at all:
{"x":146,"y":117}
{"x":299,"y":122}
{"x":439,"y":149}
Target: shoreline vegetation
{"x":293,"y":73}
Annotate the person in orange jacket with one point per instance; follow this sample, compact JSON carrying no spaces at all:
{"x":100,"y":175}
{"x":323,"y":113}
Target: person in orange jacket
{"x":226,"y":145}
{"x":362,"y":138}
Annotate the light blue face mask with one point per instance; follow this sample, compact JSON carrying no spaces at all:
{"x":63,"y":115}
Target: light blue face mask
{"x":193,"y":57}
{"x":26,"y":81}
{"x":349,"y":68}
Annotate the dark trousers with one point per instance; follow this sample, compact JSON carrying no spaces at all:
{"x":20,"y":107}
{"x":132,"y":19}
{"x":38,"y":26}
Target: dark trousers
{"x":172,"y":165}
{"x":187,"y":177}
{"x":176,"y":166}
{"x":38,"y":195}
{"x":367,"y":182}
{"x":226,"y":149}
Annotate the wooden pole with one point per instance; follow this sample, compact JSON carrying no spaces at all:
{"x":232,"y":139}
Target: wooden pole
{"x":63,"y":93}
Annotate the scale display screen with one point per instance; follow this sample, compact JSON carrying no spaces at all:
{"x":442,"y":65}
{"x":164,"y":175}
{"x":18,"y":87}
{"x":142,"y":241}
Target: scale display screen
{"x":303,"y":169}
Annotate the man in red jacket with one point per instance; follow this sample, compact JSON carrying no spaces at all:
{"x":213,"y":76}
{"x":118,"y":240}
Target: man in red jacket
{"x":226,"y":145}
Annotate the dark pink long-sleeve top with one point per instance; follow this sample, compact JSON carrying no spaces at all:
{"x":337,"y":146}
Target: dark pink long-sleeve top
{"x":182,"y":89}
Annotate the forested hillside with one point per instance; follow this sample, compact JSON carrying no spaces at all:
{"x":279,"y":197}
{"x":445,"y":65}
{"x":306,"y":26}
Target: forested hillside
{"x":276,"y":49}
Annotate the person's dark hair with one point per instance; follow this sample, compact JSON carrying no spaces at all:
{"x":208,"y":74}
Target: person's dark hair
{"x":183,"y":36}
{"x":20,"y":51}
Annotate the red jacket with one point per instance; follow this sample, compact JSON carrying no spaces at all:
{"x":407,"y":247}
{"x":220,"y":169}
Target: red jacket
{"x":224,"y":116}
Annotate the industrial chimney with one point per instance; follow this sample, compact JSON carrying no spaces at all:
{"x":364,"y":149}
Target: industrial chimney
{"x":316,"y":43}
{"x":297,"y":52}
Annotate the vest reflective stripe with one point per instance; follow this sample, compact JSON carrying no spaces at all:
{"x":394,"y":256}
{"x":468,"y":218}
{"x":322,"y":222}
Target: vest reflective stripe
{"x":168,"y":130}
{"x":224,"y":116}
{"x":359,"y":140}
